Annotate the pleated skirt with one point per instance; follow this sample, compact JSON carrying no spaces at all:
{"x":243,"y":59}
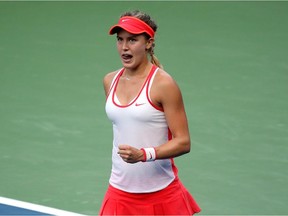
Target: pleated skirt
{"x":173,"y":200}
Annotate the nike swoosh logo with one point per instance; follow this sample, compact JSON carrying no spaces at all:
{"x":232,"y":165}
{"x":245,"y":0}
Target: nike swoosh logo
{"x":139,"y":104}
{"x":150,"y":156}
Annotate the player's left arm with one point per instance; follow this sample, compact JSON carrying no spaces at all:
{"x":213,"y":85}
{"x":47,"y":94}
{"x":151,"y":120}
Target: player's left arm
{"x":168,"y":95}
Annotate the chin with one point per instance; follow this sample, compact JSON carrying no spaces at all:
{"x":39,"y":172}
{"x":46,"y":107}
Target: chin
{"x":130,"y":66}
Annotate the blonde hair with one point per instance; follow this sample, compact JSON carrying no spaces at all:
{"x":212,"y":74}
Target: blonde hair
{"x":147,"y":19}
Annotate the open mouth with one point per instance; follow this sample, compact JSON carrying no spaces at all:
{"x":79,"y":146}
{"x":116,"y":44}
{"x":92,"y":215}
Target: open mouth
{"x":126,"y":57}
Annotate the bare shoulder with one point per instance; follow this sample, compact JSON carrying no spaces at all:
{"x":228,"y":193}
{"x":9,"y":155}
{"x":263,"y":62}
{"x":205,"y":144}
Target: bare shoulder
{"x":109,"y":76}
{"x":164,"y":85}
{"x":164,"y":80}
{"x":107,"y":80}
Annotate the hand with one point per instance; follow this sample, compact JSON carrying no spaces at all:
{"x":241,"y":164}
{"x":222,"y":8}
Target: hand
{"x":130,"y":154}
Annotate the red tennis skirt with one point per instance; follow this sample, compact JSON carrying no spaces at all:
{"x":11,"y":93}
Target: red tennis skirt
{"x":173,"y":200}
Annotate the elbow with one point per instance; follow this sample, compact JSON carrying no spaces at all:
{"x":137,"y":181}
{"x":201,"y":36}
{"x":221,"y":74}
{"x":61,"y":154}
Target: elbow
{"x":186,"y":146}
{"x":188,"y":149}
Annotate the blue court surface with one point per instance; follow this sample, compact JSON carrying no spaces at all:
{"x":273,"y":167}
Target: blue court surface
{"x":16,"y":207}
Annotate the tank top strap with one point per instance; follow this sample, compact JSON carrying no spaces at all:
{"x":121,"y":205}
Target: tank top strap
{"x":115,"y":80}
{"x":144,"y":93}
{"x":150,"y":79}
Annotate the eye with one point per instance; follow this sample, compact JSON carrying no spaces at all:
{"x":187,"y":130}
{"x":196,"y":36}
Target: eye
{"x":132,"y":40}
{"x":119,"y":39}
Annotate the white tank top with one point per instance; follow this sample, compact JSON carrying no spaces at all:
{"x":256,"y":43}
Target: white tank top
{"x":139,"y":124}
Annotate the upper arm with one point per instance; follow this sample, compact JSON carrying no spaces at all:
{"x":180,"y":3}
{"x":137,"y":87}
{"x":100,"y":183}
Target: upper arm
{"x":169,"y":96}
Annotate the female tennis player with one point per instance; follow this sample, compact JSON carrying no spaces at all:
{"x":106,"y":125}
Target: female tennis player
{"x":150,"y":128}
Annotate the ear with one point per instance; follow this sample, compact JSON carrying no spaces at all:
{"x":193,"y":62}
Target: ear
{"x":149,"y":43}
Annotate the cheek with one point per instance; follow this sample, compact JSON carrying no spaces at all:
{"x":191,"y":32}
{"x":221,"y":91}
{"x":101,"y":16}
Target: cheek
{"x":118,"y":47}
{"x":141,"y":50}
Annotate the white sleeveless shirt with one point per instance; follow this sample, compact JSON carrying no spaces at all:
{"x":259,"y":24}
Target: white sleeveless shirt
{"x":139,"y":124}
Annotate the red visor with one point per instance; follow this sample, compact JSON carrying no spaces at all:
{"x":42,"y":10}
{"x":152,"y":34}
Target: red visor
{"x":132,"y":25}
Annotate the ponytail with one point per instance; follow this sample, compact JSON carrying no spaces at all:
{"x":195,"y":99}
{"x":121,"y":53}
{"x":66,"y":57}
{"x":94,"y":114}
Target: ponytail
{"x":153,"y":59}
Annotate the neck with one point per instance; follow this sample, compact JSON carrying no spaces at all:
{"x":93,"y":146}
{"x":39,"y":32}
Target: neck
{"x":139,"y":72}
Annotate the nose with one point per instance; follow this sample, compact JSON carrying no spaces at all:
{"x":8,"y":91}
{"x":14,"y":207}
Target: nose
{"x":125,"y":45}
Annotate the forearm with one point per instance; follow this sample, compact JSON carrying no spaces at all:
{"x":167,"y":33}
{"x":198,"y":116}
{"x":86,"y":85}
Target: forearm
{"x":173,"y":148}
